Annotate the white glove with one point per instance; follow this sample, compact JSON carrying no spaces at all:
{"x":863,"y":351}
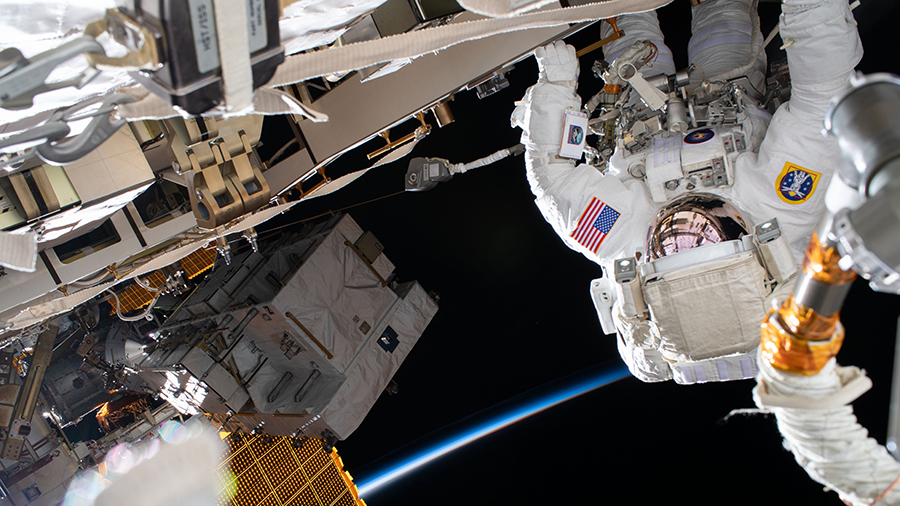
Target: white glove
{"x":557,"y":63}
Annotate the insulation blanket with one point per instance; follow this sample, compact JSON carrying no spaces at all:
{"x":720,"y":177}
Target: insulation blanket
{"x":820,"y":429}
{"x":687,"y":328}
{"x":332,"y":338}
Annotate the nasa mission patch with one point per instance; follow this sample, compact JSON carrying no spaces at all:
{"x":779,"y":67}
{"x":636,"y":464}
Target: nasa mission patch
{"x":796,"y":184}
{"x":699,"y":136}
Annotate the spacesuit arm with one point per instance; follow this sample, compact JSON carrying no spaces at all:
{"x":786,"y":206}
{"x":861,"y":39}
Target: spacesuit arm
{"x":788,"y":175}
{"x":823,"y":47}
{"x":563,"y":191}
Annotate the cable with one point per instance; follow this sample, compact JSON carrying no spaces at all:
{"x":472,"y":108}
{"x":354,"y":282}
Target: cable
{"x":893,"y":485}
{"x":146,"y":315}
{"x":140,"y":282}
{"x":280,"y":152}
{"x":459,"y":168}
{"x":326,"y":213}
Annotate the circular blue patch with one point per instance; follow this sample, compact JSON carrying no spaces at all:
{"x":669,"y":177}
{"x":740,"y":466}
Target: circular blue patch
{"x":576,"y":135}
{"x":700,"y":136}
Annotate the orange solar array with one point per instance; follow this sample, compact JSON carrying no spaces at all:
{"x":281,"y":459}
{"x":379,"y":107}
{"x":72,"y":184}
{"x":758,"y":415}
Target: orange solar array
{"x":199,"y":261}
{"x":256,"y":473}
{"x":135,"y":296}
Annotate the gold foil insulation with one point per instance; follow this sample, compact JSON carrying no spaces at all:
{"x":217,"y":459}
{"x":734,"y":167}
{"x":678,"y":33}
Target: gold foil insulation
{"x":821,"y":263}
{"x":797,"y":340}
{"x":804,"y":323}
{"x":611,"y":88}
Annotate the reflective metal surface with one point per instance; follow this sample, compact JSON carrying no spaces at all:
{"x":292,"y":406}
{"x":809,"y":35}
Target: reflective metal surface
{"x":693,"y":220}
{"x":866,"y":122}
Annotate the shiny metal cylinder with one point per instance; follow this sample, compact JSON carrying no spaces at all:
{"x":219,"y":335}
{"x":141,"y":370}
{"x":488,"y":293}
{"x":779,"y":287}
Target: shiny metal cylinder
{"x":876,"y":225}
{"x":682,"y":78}
{"x":443,"y":114}
{"x":866,"y":120}
{"x":676,"y":114}
{"x":821,"y":286}
{"x":660,"y":82}
{"x":821,"y":298}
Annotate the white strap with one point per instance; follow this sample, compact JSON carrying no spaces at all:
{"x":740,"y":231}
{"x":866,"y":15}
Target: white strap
{"x":459,"y":168}
{"x":18,"y":251}
{"x":266,"y":101}
{"x":728,"y":368}
{"x":305,"y":66}
{"x":417,"y":43}
{"x":502,"y":8}
{"x":271,"y":101}
{"x":234,"y":53}
{"x":854,"y":383}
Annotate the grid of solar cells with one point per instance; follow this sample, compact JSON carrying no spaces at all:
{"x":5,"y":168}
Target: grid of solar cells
{"x":260,"y":470}
{"x":346,"y":500}
{"x":329,"y":485}
{"x":271,"y":500}
{"x":136,"y":296}
{"x":306,"y":497}
{"x":305,"y":452}
{"x":277,"y":460}
{"x":199,"y":261}
{"x":316,"y":462}
{"x":291,"y":485}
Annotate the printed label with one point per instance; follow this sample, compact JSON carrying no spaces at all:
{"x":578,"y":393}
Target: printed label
{"x":256,"y":25}
{"x":574,"y":128}
{"x":206,"y":42}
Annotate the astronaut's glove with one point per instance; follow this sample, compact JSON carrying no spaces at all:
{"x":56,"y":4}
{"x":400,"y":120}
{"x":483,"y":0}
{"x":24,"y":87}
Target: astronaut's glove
{"x":557,"y":64}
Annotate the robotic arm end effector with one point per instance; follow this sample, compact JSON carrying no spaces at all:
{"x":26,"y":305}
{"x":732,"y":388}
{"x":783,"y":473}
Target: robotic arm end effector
{"x":860,"y":232}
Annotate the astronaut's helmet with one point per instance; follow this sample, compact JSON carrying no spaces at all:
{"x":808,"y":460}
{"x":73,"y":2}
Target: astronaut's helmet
{"x":693,"y":220}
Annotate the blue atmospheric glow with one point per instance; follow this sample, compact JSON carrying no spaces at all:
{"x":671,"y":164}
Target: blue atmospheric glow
{"x":531,"y":406}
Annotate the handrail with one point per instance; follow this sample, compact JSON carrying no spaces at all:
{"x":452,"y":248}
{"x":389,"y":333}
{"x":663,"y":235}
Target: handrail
{"x":308,"y":333}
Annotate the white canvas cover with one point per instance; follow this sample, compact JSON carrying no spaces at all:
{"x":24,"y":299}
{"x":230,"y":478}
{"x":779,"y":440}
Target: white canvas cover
{"x":817,"y":421}
{"x":343,"y":305}
{"x":705,"y":312}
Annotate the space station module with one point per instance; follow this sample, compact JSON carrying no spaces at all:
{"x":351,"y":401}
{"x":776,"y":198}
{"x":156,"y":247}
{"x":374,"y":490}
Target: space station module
{"x":697,"y":202}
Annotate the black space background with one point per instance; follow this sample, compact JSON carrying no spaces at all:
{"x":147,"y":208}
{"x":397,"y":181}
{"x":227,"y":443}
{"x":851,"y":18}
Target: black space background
{"x":515,"y":313}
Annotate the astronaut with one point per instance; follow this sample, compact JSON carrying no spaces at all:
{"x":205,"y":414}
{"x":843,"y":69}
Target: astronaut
{"x":701,"y":213}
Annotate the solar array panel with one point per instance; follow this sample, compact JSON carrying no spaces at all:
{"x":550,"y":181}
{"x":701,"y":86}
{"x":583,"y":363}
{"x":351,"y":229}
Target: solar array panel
{"x":263,"y":470}
{"x":199,"y":261}
{"x":135,"y":296}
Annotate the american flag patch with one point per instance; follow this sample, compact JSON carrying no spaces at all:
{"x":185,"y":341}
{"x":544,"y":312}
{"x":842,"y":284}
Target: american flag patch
{"x":594,"y":225}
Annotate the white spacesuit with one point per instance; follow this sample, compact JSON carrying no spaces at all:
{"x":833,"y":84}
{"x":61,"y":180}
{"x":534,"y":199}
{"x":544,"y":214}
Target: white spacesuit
{"x":694,"y":315}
